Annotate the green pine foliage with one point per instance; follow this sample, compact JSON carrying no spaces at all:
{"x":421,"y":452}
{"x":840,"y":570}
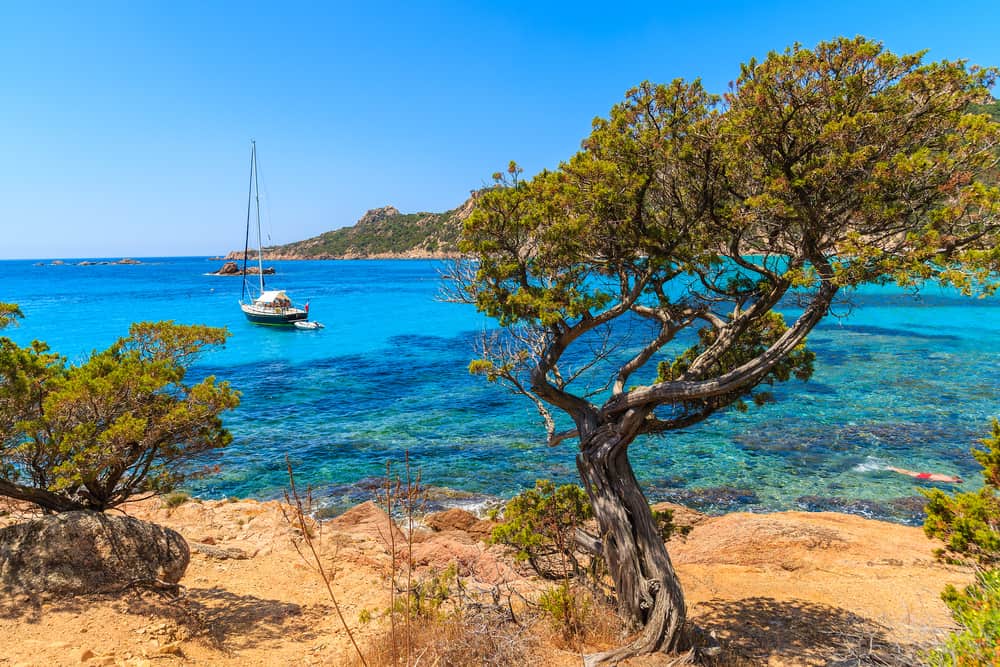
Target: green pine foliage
{"x":969,"y":525}
{"x":124,"y":422}
{"x":9,"y":314}
{"x":569,"y":612}
{"x":752,"y":342}
{"x":540,"y":524}
{"x":976,"y":609}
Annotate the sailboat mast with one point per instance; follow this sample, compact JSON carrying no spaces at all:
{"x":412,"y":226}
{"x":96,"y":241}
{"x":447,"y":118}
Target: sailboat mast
{"x":246,"y":243}
{"x":260,"y":239}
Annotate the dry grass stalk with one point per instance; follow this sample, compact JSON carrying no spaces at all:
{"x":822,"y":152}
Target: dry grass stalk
{"x":298,"y":519}
{"x":406,"y":495}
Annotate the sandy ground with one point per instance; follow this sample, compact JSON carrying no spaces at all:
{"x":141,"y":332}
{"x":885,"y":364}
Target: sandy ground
{"x":785,"y":589}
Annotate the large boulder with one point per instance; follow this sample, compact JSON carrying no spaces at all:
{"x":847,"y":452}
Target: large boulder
{"x":368,"y":522}
{"x":460,"y":520}
{"x":75,"y":553}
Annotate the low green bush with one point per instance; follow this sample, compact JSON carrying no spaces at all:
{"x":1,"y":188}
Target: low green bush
{"x":540,"y":526}
{"x":567,"y":610}
{"x":969,"y":526}
{"x":176,"y":499}
{"x":976,"y":609}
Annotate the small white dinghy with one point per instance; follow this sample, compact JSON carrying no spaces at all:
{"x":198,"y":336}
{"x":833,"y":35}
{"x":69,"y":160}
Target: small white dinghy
{"x":306,"y":324}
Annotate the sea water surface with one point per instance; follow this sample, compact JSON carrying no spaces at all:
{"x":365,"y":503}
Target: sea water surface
{"x":901,"y":379}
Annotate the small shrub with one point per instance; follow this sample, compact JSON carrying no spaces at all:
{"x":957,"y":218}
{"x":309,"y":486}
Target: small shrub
{"x":431,"y":596}
{"x":577,"y":616}
{"x":566,"y":610}
{"x":977,"y":610}
{"x":175,"y":499}
{"x":475,"y":636}
{"x":665,"y":521}
{"x":438,"y":621}
{"x":969,"y":525}
{"x":540,"y":525}
{"x":121,"y":423}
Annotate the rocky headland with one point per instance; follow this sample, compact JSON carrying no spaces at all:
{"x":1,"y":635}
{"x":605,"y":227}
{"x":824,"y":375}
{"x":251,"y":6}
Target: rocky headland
{"x":381,"y":233}
{"x":790,"y":588}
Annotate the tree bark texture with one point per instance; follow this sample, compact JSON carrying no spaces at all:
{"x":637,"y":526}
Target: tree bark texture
{"x":649,"y":593}
{"x":47,"y":500}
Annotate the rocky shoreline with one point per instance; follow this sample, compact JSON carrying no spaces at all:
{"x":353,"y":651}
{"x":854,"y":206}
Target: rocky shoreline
{"x":782,"y":588}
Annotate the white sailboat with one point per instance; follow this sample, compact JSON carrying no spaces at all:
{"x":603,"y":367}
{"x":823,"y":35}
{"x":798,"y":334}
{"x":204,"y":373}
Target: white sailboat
{"x":270,"y":306}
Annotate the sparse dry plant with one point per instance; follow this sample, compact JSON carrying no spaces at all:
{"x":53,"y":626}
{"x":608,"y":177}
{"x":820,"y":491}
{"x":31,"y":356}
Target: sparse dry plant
{"x":404,"y":495}
{"x":436,"y":617}
{"x":472,"y":636}
{"x":296,"y":515}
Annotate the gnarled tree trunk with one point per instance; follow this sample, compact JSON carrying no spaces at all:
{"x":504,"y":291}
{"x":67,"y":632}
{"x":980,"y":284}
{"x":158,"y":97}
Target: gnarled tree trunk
{"x":649,"y":594}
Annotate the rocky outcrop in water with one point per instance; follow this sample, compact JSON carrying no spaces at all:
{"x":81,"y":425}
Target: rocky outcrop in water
{"x":88,"y":262}
{"x":233,"y":269}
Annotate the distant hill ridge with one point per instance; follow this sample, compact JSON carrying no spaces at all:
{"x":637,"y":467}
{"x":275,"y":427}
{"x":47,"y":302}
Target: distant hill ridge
{"x":381,"y":233}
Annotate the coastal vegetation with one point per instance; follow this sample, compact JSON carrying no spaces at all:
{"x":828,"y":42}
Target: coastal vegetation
{"x":540,"y":526}
{"x":969,"y":526}
{"x":643,"y":285}
{"x":120,"y":425}
{"x":9,"y":314}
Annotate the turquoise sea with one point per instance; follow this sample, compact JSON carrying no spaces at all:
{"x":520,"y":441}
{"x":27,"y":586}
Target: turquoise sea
{"x":901,"y":379}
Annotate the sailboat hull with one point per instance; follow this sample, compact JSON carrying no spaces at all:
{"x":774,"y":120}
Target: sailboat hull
{"x":275,"y":316}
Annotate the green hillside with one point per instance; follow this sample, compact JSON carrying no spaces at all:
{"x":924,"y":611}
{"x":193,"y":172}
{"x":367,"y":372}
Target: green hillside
{"x":993,"y":109}
{"x":382,"y":232}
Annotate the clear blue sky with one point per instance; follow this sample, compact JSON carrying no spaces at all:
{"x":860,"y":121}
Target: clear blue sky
{"x":124,"y":126}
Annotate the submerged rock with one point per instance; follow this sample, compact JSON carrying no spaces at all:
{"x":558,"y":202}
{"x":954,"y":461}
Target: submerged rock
{"x":75,"y":553}
{"x":711,"y":499}
{"x":908,"y":510}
